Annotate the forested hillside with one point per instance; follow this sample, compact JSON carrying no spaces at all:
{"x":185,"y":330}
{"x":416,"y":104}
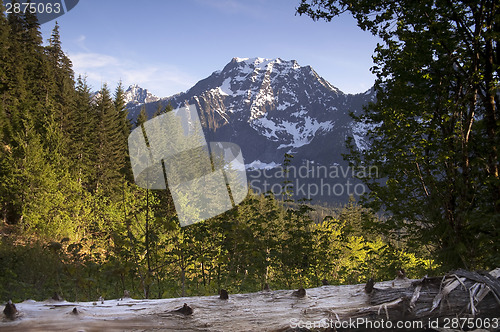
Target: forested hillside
{"x":73,"y":221}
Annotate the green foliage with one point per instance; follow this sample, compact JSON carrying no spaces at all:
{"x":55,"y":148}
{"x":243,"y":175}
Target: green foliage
{"x":434,"y":126}
{"x":347,"y":254}
{"x":28,"y":271}
{"x":143,"y":117}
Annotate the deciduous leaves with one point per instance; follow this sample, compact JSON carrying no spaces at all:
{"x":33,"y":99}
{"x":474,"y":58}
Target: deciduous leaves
{"x":434,"y":133}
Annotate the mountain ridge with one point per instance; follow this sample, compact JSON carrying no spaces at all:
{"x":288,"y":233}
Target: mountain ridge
{"x":273,"y":107}
{"x":133,"y":96}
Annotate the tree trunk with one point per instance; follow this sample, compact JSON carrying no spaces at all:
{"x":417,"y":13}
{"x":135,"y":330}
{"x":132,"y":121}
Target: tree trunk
{"x":467,"y":298}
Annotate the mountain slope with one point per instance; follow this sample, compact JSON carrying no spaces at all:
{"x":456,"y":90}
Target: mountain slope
{"x":270,"y":107}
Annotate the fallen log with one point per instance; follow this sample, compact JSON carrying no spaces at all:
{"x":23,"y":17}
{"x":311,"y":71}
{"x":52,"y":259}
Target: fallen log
{"x":460,"y":293}
{"x":461,"y":300}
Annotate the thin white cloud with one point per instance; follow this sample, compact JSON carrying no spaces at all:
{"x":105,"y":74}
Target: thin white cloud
{"x":80,"y":42}
{"x":92,"y":60}
{"x":162,"y":80}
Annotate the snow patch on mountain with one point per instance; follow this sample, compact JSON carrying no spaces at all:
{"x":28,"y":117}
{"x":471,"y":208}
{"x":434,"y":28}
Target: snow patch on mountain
{"x":359,"y":131}
{"x":284,"y":105}
{"x":292,"y":134}
{"x":257,"y":164}
{"x":299,"y":113}
{"x":225,"y":88}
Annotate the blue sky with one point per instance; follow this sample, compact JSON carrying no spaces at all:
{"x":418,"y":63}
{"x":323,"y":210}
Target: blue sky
{"x":166,"y":46}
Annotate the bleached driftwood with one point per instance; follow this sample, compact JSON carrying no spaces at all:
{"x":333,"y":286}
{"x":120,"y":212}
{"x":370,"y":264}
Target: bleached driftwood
{"x":460,"y":294}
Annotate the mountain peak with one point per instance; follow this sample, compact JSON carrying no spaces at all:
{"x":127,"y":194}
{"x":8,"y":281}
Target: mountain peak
{"x":258,"y":62}
{"x":135,"y":95}
{"x":270,"y":107}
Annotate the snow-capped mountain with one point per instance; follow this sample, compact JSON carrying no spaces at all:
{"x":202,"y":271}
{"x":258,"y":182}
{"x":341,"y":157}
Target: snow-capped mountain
{"x":135,"y":95}
{"x":270,"y":107}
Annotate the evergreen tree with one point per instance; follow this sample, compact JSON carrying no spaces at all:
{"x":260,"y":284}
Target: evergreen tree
{"x":5,"y":131}
{"x":159,"y":110}
{"x":83,"y":137}
{"x":4,"y":51}
{"x":61,"y":84}
{"x":36,"y":72}
{"x":110,"y":148}
{"x":162,"y":110}
{"x":124,"y":123}
{"x":143,"y":117}
{"x":15,"y":85}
